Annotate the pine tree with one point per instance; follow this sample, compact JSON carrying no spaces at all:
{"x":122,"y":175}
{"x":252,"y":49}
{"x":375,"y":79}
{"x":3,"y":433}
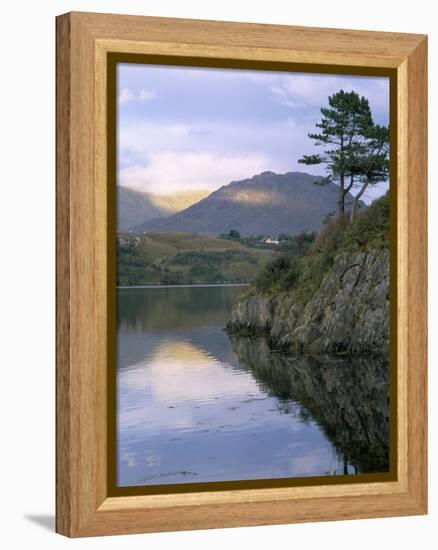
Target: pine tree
{"x":371,"y":160}
{"x":342,"y":127}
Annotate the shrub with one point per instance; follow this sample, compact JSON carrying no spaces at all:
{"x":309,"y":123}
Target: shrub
{"x":370,"y":228}
{"x":302,"y":272}
{"x":280,"y":274}
{"x":296,"y":245}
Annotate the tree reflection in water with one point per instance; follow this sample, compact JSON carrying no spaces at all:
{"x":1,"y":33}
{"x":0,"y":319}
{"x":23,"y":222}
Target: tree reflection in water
{"x":348,"y":397}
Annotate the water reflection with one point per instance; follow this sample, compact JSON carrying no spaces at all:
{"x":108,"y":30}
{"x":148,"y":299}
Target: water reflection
{"x":348,"y":397}
{"x":167,"y":308}
{"x":195,"y":406}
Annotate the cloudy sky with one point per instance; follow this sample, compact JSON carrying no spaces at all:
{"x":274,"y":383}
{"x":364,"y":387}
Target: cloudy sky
{"x":183,"y":128}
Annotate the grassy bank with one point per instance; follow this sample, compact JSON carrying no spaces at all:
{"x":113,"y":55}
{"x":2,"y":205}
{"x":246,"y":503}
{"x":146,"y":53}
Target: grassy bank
{"x":184,"y":258}
{"x":300,"y":270}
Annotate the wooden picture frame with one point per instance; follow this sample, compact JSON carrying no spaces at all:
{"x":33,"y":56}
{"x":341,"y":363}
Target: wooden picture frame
{"x":85,"y":42}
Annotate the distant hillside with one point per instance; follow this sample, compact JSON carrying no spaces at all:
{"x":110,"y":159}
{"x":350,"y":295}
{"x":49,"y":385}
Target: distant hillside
{"x":268,"y":204}
{"x":181,"y":258}
{"x":135,"y":207}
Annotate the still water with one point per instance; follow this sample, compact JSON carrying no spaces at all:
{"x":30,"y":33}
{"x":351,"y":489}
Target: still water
{"x":195,"y":405}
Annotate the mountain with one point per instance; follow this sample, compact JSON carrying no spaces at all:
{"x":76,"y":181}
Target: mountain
{"x":268,"y":204}
{"x":136,"y":207}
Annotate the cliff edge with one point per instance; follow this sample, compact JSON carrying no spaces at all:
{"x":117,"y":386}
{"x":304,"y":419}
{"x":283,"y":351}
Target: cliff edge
{"x":349,"y":312}
{"x":332,"y":296}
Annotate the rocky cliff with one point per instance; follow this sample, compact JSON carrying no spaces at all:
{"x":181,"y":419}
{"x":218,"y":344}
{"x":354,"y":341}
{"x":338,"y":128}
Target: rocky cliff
{"x":348,"y":313}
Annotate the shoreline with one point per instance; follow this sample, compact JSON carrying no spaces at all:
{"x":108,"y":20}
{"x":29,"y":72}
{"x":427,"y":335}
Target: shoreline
{"x":200,"y":285}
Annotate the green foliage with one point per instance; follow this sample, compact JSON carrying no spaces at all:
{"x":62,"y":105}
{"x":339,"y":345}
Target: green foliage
{"x":296,"y":245}
{"x":178,"y":258}
{"x":283,"y":272}
{"x":328,"y":217}
{"x":370,"y":229}
{"x":278,"y":275}
{"x":300,"y":271}
{"x":356,"y":150}
{"x":343,"y":122}
{"x":232,"y":234}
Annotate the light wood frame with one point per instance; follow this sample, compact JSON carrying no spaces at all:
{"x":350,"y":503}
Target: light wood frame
{"x":83,"y":42}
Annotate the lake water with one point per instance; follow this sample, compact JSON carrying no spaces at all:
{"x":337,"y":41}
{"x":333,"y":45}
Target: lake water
{"x":194,"y":405}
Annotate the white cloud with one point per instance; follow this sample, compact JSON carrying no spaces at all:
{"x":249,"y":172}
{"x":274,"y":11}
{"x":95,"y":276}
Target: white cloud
{"x":151,"y":386}
{"x":126,"y":96}
{"x":291,"y":123}
{"x":310,"y":90}
{"x":146,"y":138}
{"x":302,"y":90}
{"x":281,"y":94}
{"x":146,"y":95}
{"x":168,"y":172}
{"x":164,"y":153}
{"x":170,"y":379}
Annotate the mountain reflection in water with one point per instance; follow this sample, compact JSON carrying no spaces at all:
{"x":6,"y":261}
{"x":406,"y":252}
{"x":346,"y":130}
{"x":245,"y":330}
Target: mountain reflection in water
{"x":194,"y":405}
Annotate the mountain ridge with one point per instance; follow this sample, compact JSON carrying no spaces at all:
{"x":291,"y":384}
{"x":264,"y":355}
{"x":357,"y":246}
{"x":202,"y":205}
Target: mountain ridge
{"x":267,"y":203}
{"x":136,"y":207}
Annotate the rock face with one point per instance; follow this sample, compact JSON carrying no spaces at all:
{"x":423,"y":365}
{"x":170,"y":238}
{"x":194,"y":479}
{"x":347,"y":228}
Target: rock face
{"x":348,"y":313}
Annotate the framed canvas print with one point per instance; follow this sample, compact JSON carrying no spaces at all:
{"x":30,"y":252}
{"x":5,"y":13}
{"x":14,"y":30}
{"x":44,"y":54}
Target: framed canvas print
{"x":241,"y":274}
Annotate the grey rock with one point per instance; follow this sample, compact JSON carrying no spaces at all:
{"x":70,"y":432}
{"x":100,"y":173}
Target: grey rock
{"x":348,"y":313}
